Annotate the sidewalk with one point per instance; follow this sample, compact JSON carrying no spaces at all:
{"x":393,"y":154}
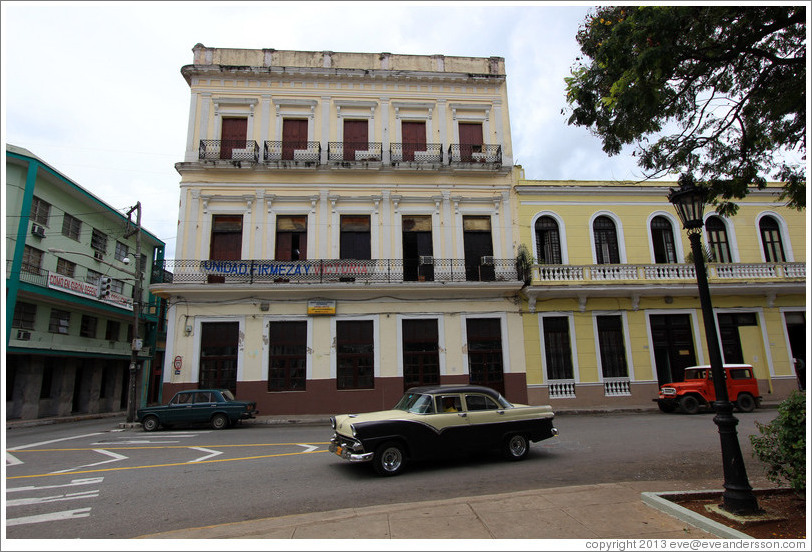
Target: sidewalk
{"x":631,"y":510}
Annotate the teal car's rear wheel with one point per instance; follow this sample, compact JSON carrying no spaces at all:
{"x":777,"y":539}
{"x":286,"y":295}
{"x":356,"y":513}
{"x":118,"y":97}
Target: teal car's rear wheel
{"x":150,"y":423}
{"x":219,"y":421}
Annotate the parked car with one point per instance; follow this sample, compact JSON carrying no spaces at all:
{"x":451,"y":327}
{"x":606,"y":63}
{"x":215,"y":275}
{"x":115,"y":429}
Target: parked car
{"x":216,"y":407}
{"x":430,"y":422}
{"x":698,"y":391}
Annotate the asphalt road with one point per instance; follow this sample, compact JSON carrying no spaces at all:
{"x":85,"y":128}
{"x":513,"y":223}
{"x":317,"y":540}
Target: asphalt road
{"x":91,"y":480}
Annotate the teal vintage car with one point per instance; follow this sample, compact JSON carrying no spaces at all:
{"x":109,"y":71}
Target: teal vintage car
{"x":216,"y":407}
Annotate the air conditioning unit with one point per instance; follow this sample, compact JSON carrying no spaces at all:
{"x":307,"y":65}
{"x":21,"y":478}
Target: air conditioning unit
{"x":487,"y":260}
{"x":38,"y":230}
{"x":23,"y":335}
{"x":98,"y":255}
{"x":426,"y":260}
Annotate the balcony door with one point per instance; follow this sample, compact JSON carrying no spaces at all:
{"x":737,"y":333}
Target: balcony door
{"x":294,"y":136}
{"x":470,"y":140}
{"x":414,"y":138}
{"x":417,"y":243}
{"x":477,"y":243}
{"x":233,"y":135}
{"x":291,"y":238}
{"x":226,"y":241}
{"x":356,"y":137}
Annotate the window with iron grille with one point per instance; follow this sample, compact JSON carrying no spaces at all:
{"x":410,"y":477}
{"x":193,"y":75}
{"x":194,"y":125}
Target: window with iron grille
{"x":612,"y":348}
{"x":606,"y":244}
{"x":71,"y":226}
{"x":287,"y":357}
{"x":98,"y":241}
{"x":662,"y":238}
{"x":40,"y":211}
{"x":771,"y":240}
{"x":548,"y":242}
{"x":25,"y":316}
{"x":65,"y":267}
{"x":557,"y":347}
{"x":32,"y":260}
{"x":88,"y":328}
{"x":121,"y":251}
{"x":60,"y":321}
{"x":93,"y":277}
{"x":112,"y":331}
{"x":355,"y":354}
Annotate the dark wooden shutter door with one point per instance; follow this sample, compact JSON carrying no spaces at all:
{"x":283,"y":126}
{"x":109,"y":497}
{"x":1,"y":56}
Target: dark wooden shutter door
{"x":356,"y":137}
{"x":414,"y":138}
{"x":294,"y":136}
{"x":470,"y":140}
{"x":226,"y":241}
{"x":233,"y":135}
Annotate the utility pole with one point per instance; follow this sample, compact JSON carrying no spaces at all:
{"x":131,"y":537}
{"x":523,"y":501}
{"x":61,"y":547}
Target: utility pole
{"x":136,"y":342}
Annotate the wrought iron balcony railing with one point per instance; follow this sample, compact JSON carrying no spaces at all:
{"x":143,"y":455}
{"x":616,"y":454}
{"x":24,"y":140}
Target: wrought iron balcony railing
{"x":485,"y":154}
{"x":719,"y":272}
{"x":231,"y":150}
{"x":353,"y":152}
{"x":321,"y":271}
{"x":405,"y":152}
{"x":306,"y":153}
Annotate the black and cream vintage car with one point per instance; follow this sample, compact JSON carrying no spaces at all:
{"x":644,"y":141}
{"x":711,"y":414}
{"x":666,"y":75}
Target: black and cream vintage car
{"x":429,"y":422}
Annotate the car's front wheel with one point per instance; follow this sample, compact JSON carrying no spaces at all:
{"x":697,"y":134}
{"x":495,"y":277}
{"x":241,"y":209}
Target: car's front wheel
{"x":150,"y":423}
{"x":517,"y":447}
{"x":689,"y":404}
{"x":389,"y":459}
{"x":219,"y":421}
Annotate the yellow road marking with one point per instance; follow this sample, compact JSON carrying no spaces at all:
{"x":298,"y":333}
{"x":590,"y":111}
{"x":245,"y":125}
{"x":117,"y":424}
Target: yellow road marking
{"x":165,"y":465}
{"x":167,"y":447}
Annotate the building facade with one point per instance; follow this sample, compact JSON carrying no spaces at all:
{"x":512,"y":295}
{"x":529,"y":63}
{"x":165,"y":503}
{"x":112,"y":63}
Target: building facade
{"x":345,"y":230}
{"x":68,"y":346}
{"x":612,"y":307}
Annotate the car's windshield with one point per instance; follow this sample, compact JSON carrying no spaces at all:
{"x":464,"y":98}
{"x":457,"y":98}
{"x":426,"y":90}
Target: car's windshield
{"x":694,"y":374}
{"x":227,"y":395}
{"x":415,"y":402}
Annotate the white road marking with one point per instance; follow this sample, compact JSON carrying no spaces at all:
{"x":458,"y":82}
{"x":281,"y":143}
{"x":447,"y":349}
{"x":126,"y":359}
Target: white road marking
{"x":309,"y":448}
{"x":212,"y":455}
{"x":12,"y":460}
{"x":114,"y":458}
{"x":73,"y":483}
{"x":32,"y":445}
{"x":55,"y":498}
{"x":145,"y":442}
{"x":55,"y":516}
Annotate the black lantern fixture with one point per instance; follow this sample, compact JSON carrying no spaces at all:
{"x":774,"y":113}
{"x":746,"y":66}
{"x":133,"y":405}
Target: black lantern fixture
{"x":689,"y":201}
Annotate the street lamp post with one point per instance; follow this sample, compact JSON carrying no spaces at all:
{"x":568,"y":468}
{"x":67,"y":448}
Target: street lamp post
{"x":738,"y":497}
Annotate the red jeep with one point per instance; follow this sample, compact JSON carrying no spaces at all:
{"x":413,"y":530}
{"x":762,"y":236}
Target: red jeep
{"x":697,"y":390}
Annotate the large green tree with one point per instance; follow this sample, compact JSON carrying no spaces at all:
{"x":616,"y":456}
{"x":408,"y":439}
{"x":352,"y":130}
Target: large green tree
{"x":715,"y":91}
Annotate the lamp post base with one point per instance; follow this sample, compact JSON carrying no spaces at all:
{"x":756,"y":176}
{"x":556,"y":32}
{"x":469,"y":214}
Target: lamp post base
{"x":738,"y":497}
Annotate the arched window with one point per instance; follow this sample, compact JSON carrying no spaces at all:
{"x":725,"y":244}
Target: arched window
{"x":771,"y":240}
{"x":662,"y":237}
{"x":548,"y":241}
{"x":606,"y":247}
{"x":717,"y":240}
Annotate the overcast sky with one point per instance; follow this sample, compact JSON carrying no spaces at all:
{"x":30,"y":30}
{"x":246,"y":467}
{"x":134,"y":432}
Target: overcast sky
{"x":95,"y":90}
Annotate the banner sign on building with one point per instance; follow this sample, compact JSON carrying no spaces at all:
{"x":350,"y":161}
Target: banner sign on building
{"x":282,"y":269}
{"x":86,"y":290}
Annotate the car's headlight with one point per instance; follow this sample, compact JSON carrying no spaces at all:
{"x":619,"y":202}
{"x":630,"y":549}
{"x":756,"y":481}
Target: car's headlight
{"x":352,"y":428}
{"x":332,"y":422}
{"x":668,"y":391}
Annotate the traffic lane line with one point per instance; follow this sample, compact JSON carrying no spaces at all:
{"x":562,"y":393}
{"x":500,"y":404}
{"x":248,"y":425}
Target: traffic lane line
{"x":174,"y":447}
{"x":175,"y":464}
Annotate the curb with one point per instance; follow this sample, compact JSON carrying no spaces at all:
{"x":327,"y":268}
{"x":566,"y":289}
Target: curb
{"x":658,"y":502}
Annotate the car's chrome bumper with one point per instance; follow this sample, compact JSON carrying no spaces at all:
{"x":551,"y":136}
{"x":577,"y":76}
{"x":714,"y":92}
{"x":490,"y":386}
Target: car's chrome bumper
{"x":351,"y":451}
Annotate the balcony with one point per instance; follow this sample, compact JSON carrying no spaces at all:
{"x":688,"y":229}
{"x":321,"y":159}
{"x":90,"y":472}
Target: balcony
{"x":284,"y":154}
{"x":635,"y":281}
{"x":412,"y":155}
{"x":354,"y":153}
{"x":487,"y":156}
{"x":338,"y":271}
{"x":229,"y":150}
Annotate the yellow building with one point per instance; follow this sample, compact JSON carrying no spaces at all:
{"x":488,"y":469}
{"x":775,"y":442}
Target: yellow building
{"x":345,"y":230}
{"x":612,"y":309}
